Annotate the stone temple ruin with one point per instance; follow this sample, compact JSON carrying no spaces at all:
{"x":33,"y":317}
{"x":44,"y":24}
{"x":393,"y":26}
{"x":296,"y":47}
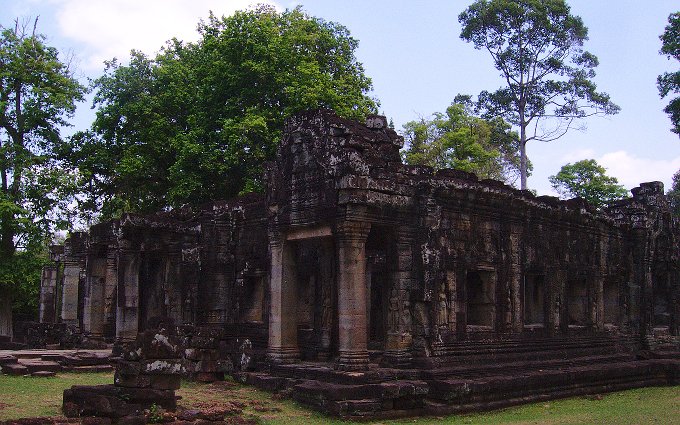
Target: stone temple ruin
{"x":364,"y":286}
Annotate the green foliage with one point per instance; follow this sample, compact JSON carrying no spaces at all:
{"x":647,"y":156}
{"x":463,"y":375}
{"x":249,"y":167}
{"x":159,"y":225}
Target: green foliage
{"x":197,"y":122}
{"x":588,"y":180}
{"x":460,"y":140}
{"x":37,"y":93}
{"x":674,"y":194}
{"x":669,"y":82}
{"x":536,"y":45}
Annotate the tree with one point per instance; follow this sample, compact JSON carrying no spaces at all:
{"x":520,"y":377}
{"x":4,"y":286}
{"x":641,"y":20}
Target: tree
{"x":197,"y":122}
{"x":674,"y":194}
{"x":458,"y":139}
{"x":669,"y":82}
{"x":537,"y":47}
{"x":588,"y":180}
{"x":37,"y":93}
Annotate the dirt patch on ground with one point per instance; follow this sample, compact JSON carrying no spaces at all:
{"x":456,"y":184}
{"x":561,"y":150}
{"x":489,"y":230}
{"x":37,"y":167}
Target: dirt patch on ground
{"x":4,"y":406}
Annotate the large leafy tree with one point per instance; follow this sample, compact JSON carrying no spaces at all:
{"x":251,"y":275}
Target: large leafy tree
{"x":537,"y":46}
{"x":674,"y":194}
{"x":588,"y":180}
{"x":458,"y":139}
{"x":38,"y":92}
{"x":197,"y":122}
{"x":669,"y":82}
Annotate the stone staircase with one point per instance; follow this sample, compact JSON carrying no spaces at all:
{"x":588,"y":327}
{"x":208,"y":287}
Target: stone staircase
{"x":473,"y":376}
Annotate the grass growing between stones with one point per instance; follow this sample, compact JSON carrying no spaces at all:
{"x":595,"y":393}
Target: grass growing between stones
{"x":34,"y":397}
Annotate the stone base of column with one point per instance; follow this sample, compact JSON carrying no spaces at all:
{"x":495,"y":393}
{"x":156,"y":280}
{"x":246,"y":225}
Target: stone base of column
{"x":352,"y":361}
{"x":399,"y":359}
{"x":283,"y":355}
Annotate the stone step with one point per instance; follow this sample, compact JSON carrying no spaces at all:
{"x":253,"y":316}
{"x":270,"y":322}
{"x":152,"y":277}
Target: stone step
{"x":568,"y":381}
{"x":7,"y":359}
{"x":33,"y":365}
{"x":90,"y":369}
{"x":520,"y":366}
{"x":14,"y":369}
{"x":482,"y":357}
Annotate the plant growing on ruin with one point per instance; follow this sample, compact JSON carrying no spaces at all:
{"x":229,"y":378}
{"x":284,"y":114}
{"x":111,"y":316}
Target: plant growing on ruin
{"x":38,"y":92}
{"x":458,"y":139}
{"x":669,"y":82}
{"x":197,"y":122}
{"x":588,"y":180}
{"x":537,"y":46}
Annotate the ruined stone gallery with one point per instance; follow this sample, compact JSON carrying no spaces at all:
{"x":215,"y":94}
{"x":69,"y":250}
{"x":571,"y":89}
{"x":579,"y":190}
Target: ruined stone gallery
{"x":392,"y":275}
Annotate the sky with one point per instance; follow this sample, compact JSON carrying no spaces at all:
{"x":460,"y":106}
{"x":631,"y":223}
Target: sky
{"x":418,"y":63}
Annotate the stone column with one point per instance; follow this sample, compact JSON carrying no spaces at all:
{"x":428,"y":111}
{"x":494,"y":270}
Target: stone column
{"x":48,"y":294}
{"x":352,"y":332}
{"x":93,"y":302}
{"x":69,"y":298}
{"x":127,"y":308}
{"x":283,"y":345}
{"x":399,"y":333}
{"x":516,"y":277}
{"x":110,"y":291}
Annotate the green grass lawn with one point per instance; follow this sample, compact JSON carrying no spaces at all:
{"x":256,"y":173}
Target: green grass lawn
{"x":32,"y":397}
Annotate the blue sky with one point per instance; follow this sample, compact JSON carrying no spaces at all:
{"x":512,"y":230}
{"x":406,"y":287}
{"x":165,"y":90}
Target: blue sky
{"x":418,"y":63}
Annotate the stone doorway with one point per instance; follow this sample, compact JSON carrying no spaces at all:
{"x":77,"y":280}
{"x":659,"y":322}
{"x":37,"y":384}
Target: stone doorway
{"x":534,"y":305}
{"x":610,"y":295}
{"x":151,"y":288}
{"x":480,"y":290}
{"x":577,"y":302}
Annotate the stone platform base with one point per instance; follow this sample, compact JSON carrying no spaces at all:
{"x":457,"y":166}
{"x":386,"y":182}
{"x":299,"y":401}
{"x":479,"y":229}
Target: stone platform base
{"x":389,"y":393}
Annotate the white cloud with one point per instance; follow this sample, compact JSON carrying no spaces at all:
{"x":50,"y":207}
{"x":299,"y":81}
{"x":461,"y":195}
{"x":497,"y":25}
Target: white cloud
{"x":111,"y":28}
{"x":632,"y":170}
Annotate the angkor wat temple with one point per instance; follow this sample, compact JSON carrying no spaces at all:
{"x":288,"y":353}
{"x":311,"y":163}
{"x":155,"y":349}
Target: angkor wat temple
{"x":369,"y":286}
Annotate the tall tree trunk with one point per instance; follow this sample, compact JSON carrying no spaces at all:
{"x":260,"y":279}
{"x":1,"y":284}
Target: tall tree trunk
{"x":523,"y":153}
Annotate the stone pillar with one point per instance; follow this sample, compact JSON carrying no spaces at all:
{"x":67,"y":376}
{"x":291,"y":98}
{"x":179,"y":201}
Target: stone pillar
{"x":352,"y":332}
{"x":327,"y":297}
{"x":399,"y":339}
{"x":515,"y":321}
{"x":5,"y":314}
{"x":48,"y":294}
{"x":110,"y":291}
{"x":127,"y":309}
{"x":283,"y":344}
{"x":93,"y":303}
{"x":69,"y":298}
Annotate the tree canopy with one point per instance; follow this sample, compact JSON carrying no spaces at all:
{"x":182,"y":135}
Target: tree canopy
{"x":537,"y":46}
{"x":38,"y":92}
{"x":458,"y":139}
{"x":674,"y":194}
{"x":197,"y":122}
{"x":588,"y":180}
{"x":669,"y":82}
